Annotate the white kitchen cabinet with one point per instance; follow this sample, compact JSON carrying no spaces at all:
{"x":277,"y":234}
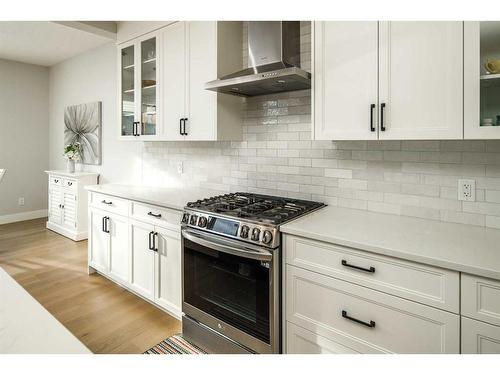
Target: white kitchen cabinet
{"x":168,"y":270}
{"x":119,"y":249}
{"x":98,"y":245}
{"x":375,"y":322}
{"x":195,"y":53}
{"x":139,"y":88}
{"x":68,"y":203}
{"x":480,"y":298}
{"x":481,"y":86}
{"x":143,"y":258}
{"x":345,"y":80}
{"x":479,"y":337}
{"x":419,"y":80}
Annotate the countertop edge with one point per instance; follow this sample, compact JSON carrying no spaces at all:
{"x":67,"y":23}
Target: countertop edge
{"x":436,"y":262}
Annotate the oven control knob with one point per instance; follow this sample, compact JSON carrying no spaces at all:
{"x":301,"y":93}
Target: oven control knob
{"x":202,"y":222}
{"x":193,"y":219}
{"x":244,"y":231}
{"x":267,"y":237}
{"x":255,"y":234}
{"x":185,"y":218}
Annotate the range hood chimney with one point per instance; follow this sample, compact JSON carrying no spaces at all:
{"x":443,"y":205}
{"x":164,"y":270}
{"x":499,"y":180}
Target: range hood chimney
{"x":273,"y":62}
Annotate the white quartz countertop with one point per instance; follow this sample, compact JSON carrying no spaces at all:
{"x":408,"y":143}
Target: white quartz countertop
{"x":174,"y":198}
{"x":27,"y":328}
{"x":465,"y":248}
{"x":71,"y":174}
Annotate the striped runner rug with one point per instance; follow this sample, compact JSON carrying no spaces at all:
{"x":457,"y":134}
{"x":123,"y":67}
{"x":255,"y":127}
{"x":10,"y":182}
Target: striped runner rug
{"x":175,"y":345}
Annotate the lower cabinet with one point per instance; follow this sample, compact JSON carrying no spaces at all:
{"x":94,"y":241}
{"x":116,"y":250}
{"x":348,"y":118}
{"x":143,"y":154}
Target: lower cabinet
{"x":479,"y":337}
{"x":140,"y":256}
{"x":370,"y":321}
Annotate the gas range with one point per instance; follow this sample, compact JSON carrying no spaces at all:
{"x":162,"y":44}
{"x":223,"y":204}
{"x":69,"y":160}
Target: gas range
{"x":248,"y":217}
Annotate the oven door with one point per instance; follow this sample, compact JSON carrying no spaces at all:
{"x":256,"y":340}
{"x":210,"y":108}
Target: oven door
{"x":231,"y":287}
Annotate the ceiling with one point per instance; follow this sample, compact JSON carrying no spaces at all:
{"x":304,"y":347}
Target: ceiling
{"x":45,"y":43}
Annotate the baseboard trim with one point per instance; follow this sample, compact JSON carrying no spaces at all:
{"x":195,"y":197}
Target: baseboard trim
{"x":75,"y":236}
{"x":22,"y":216}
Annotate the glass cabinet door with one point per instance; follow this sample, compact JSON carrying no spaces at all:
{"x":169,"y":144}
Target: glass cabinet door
{"x":489,"y":56}
{"x":128,"y":91}
{"x":148,"y":68}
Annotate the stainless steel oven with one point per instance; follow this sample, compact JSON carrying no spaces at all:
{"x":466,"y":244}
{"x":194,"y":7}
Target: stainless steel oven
{"x":231,"y":293}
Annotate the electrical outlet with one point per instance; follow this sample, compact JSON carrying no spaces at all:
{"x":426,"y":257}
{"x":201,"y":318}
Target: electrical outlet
{"x":180,"y":167}
{"x":467,"y":190}
{"x":20,"y":201}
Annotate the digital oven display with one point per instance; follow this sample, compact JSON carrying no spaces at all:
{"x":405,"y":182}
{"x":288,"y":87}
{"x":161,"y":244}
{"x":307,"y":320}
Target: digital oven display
{"x":225,"y":227}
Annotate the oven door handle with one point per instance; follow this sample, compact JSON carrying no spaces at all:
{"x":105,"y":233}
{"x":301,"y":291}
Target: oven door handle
{"x":224,"y":247}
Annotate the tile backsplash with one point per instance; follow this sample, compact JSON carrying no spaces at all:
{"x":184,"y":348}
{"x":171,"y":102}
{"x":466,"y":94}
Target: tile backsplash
{"x":277,"y":157}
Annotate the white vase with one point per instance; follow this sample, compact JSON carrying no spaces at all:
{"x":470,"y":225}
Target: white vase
{"x":70,"y":166}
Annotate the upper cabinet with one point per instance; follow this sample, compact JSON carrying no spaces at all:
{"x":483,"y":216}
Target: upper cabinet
{"x":482,"y":80}
{"x":388,"y":80}
{"x":162,"y":93}
{"x":138,"y":88}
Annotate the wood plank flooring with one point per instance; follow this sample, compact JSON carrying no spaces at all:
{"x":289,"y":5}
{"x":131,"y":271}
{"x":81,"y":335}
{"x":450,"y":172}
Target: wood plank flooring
{"x":101,"y":314}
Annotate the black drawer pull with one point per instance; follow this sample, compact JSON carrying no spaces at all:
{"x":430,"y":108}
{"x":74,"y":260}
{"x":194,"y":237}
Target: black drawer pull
{"x":372,"y":127}
{"x":106,"y":202}
{"x":154,"y":215}
{"x":370,"y":270}
{"x":371,"y":324}
{"x":382,"y":124}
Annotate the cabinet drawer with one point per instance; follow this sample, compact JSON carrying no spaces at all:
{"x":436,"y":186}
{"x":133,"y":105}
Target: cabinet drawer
{"x":109,"y":203}
{"x":330,"y":307}
{"x":432,"y":286}
{"x":481,"y":298}
{"x":55,"y":181}
{"x":302,"y":341}
{"x":479,"y":337}
{"x":156,"y":215}
{"x":69,"y":183}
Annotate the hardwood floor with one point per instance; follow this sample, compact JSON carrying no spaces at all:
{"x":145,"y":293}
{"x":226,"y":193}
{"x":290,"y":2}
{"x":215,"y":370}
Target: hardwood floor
{"x":101,"y":314}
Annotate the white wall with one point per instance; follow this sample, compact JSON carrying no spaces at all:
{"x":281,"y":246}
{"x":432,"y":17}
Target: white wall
{"x":90,"y":77}
{"x":23,"y":139}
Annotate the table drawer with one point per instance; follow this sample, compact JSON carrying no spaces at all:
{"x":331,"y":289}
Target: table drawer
{"x":429,"y":285}
{"x":344,"y":312}
{"x":156,"y":215}
{"x":479,"y":337}
{"x":109,"y":203}
{"x":481,"y":298}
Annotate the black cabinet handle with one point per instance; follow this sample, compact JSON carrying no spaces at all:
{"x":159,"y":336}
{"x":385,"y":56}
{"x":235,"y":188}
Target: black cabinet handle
{"x":106,"y":202}
{"x":370,"y":270}
{"x":103,"y":225}
{"x":155,"y":244}
{"x":371,"y":324}
{"x":184,"y":130}
{"x":372,"y":127}
{"x":382,"y":125}
{"x":180,"y":126}
{"x":154,"y":215}
{"x":150,"y":240}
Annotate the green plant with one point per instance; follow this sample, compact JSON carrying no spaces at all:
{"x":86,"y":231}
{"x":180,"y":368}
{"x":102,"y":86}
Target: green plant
{"x":72,"y":151}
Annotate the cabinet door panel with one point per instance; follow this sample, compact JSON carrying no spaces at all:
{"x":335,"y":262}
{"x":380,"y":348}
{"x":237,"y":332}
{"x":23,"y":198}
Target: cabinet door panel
{"x":421,"y":80}
{"x":142,"y":280}
{"x":345,"y":80}
{"x":55,"y":200}
{"x":98,"y":242}
{"x":479,"y":337}
{"x":119,"y":251}
{"x":168,"y":267}
{"x":173,"y":78}
{"x":69,"y":210}
{"x":202,"y":67}
{"x":127,"y":82}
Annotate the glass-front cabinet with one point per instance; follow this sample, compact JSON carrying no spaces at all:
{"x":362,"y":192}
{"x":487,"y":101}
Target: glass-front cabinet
{"x":482,"y":80}
{"x":138,"y":88}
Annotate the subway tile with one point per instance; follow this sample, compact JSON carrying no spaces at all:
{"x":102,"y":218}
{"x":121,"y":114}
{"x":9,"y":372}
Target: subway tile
{"x":462,"y":218}
{"x":485,"y":208}
{"x":386,"y":208}
{"x":493,"y":196}
{"x":413,"y":189}
{"x":340,"y":173}
{"x":493,"y":222}
{"x":353,"y":184}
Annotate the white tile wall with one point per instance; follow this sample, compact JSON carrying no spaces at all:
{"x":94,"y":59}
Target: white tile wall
{"x":276,"y":156}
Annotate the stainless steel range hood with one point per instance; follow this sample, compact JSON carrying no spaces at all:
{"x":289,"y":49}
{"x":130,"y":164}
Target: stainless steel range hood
{"x":273,"y":62}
